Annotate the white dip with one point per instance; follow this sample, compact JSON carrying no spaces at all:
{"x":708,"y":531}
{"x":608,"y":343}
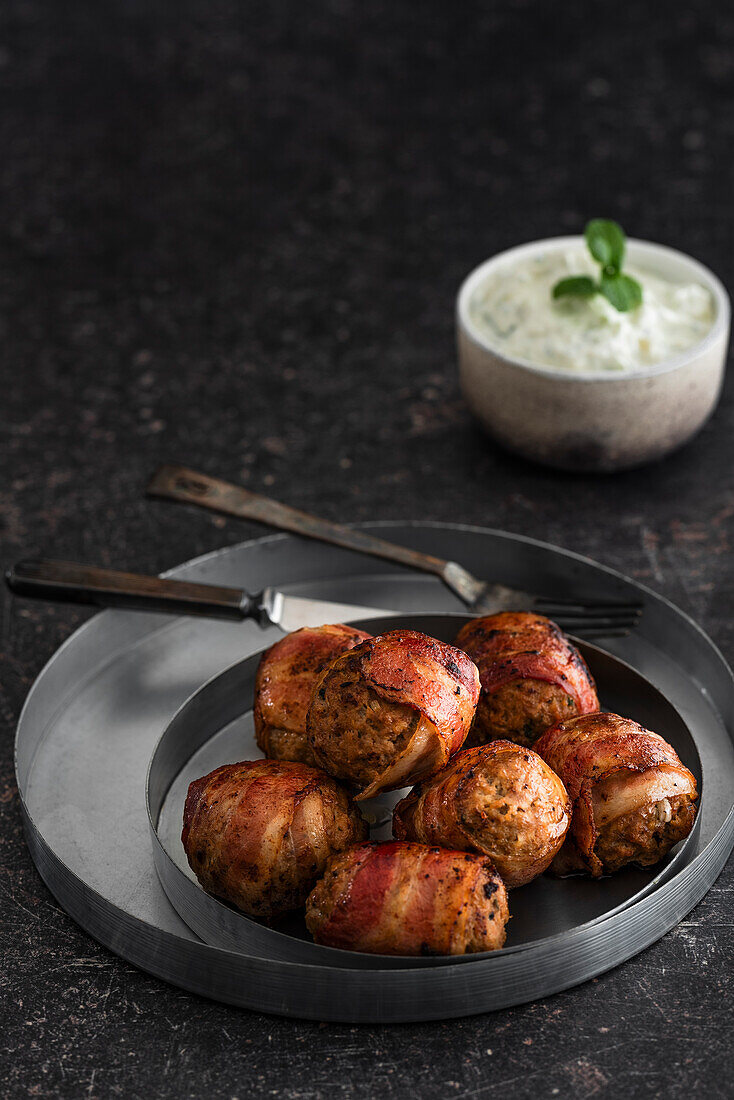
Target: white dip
{"x":515,"y":312}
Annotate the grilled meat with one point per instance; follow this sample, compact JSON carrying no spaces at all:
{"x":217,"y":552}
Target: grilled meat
{"x":285,"y":679}
{"x":633,"y":799}
{"x":531,"y":677}
{"x":498,"y":799}
{"x":392,"y":711}
{"x":259,"y":833}
{"x":408,"y":899}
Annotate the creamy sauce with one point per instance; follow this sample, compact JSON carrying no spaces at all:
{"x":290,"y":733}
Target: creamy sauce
{"x":515,"y":312}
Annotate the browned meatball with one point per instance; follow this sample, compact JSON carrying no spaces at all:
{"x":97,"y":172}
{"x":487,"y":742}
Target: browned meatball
{"x":645,"y":835}
{"x":409,"y":899}
{"x":499,"y":799}
{"x":520,"y":712}
{"x":259,"y":833}
{"x":633,"y":799}
{"x":531,"y":677}
{"x":392,"y":711}
{"x":285,"y":680}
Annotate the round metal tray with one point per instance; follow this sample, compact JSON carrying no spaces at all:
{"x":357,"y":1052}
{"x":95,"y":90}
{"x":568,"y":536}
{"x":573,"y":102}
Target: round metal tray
{"x":211,"y":729}
{"x":94,"y":716}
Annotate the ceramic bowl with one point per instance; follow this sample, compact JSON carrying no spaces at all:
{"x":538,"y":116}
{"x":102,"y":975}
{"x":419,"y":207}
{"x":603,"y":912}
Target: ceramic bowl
{"x":594,"y":421}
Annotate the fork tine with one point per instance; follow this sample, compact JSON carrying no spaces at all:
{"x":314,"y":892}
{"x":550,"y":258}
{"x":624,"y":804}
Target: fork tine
{"x":592,"y":634}
{"x":571,"y":612}
{"x":562,"y":607}
{"x":621,"y":621}
{"x":577,"y":625}
{"x":606,"y":620}
{"x":595,"y":622}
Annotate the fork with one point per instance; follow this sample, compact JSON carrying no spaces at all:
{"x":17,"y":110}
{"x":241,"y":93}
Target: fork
{"x":586,"y":618}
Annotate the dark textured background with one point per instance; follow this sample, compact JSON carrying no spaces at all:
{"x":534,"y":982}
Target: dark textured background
{"x":231,"y":234}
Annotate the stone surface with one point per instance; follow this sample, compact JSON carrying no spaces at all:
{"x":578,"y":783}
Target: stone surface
{"x":231,"y":236}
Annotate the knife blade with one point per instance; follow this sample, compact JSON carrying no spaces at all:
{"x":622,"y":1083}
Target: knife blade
{"x":293,"y":612}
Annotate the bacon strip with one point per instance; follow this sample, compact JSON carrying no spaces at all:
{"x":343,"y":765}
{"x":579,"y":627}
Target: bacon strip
{"x":514,"y":646}
{"x":259,"y":832}
{"x":194,"y":797}
{"x":408,"y":899}
{"x":498,"y":799}
{"x":289,"y":669}
{"x":392,"y":711}
{"x":437,"y":679}
{"x":611,"y":766}
{"x":352,"y":924}
{"x":405,"y":666}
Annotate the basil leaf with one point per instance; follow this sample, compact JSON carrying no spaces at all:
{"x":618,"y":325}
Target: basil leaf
{"x":579,"y":285}
{"x":623,"y":292}
{"x":606,"y":243}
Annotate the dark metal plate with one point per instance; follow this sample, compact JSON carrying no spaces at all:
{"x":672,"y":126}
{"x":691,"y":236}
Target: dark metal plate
{"x":211,"y":729}
{"x":92,"y":720}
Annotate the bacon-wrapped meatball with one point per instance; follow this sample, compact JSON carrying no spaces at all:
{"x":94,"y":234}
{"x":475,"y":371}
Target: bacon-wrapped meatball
{"x":259,"y":833}
{"x":392,"y":711}
{"x":408,"y":899}
{"x":284,"y":682}
{"x":498,"y":799}
{"x":633,"y":799}
{"x":531,"y":676}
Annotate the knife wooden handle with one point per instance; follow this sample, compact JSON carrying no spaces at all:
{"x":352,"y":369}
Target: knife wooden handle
{"x":189,"y":487}
{"x":68,"y":582}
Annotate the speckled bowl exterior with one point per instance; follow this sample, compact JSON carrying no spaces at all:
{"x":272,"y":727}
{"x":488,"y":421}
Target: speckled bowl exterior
{"x":586,"y":421}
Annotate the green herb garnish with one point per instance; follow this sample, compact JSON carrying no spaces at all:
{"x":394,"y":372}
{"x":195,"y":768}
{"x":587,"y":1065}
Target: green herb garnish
{"x":606,"y":243}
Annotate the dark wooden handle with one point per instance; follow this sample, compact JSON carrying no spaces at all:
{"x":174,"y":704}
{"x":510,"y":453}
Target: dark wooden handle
{"x":189,"y":487}
{"x":68,"y":582}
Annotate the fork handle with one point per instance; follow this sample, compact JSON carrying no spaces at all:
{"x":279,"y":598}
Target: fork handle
{"x":189,"y":487}
{"x":68,"y":582}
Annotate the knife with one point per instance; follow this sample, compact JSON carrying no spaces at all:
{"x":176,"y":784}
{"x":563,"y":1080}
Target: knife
{"x":69,"y":582}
